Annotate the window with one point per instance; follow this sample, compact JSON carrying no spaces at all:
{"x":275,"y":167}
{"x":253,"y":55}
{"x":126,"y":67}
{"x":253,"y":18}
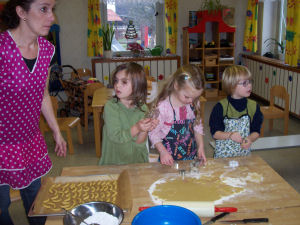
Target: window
{"x":147,"y":21}
{"x":271,"y":24}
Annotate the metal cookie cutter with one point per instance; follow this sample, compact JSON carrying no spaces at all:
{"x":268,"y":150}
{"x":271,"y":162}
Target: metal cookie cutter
{"x":182,"y":173}
{"x":176,"y":165}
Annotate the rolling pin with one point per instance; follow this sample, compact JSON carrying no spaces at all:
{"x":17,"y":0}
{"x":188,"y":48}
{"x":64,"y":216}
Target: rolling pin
{"x":203,"y":208}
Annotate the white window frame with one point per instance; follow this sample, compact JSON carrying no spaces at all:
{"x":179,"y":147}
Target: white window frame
{"x":160,"y":25}
{"x":265,"y":31}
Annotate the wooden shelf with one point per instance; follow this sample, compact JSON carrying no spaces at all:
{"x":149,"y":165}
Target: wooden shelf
{"x":197,"y":49}
{"x":211,"y":81}
{"x":212,"y":66}
{"x":209,"y":28}
{"x":227,"y":48}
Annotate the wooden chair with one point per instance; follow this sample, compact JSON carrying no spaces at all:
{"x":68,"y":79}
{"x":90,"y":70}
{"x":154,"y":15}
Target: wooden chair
{"x":81,"y":72}
{"x":87,"y":100}
{"x":65,"y":124}
{"x":273,"y":112}
{"x":14,"y":195}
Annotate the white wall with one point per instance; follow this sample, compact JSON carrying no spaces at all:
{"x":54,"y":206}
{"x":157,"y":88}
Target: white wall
{"x":72,"y":18}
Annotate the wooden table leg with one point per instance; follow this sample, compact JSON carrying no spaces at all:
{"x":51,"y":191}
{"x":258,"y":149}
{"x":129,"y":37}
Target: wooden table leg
{"x":96,"y":115}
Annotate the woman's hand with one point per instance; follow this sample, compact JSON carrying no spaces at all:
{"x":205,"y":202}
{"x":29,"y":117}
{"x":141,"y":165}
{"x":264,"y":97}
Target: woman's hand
{"x":61,"y":146}
{"x":166,"y":158}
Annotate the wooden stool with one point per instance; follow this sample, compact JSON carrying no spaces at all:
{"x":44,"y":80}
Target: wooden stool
{"x":65,"y":124}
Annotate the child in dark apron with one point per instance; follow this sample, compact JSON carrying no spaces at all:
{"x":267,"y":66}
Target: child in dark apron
{"x":179,"y":134}
{"x":235,"y":121}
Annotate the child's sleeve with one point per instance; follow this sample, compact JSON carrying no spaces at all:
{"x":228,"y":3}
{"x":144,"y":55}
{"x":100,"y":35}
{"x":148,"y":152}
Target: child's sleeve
{"x":256,"y":123}
{"x":216,"y":119}
{"x":113,"y":124}
{"x":162,"y":129}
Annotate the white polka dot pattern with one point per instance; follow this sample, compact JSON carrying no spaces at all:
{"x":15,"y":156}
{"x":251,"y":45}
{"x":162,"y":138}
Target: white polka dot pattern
{"x":23,"y":152}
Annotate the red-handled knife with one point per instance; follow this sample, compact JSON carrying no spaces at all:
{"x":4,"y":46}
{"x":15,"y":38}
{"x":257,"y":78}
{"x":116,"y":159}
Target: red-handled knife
{"x":225,"y":209}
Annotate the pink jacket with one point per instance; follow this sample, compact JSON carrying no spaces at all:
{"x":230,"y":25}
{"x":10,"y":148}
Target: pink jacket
{"x":166,"y":119}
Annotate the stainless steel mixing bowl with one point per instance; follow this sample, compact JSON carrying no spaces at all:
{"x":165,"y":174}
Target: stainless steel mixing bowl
{"x":88,"y":209}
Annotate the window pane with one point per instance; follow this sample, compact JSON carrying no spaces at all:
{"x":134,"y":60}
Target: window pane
{"x":141,"y":13}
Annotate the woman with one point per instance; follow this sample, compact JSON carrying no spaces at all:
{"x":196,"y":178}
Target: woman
{"x":25,"y":58}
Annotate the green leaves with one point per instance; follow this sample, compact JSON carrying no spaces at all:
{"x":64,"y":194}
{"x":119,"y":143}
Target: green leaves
{"x":212,"y":5}
{"x":108,"y":33}
{"x":275,"y":42}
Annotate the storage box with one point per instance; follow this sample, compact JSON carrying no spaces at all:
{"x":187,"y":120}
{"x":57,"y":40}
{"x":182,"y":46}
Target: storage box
{"x":211,"y":60}
{"x":210,"y":76}
{"x":211,"y":92}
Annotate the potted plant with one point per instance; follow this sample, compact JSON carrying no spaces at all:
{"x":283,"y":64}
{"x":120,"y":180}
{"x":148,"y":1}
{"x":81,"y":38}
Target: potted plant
{"x":280,"y":47}
{"x":108,"y":32}
{"x":212,"y":6}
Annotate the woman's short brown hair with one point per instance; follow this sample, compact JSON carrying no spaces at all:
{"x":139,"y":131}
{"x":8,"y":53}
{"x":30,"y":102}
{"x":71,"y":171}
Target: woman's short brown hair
{"x":232,"y":75}
{"x":138,"y":80}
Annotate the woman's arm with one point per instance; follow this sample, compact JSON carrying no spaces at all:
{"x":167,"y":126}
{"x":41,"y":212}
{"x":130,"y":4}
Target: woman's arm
{"x":47,"y":111}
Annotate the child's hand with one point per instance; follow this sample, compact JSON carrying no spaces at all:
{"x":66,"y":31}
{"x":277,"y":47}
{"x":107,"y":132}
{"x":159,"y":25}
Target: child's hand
{"x":246,"y":143}
{"x":144,"y":125}
{"x":154,"y":123}
{"x":201,"y":154}
{"x":166,"y":158}
{"x":235,"y":136}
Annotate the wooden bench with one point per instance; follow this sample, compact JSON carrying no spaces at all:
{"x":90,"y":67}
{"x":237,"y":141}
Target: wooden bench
{"x":268,"y":143}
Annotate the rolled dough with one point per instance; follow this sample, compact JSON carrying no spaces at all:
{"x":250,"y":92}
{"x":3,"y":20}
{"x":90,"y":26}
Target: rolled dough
{"x":191,"y":189}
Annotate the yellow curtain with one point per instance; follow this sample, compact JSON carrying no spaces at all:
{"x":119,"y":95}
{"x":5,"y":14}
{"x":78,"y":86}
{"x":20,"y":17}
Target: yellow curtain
{"x":95,"y":42}
{"x":250,"y":35}
{"x":292,"y":53}
{"x":171,"y":8}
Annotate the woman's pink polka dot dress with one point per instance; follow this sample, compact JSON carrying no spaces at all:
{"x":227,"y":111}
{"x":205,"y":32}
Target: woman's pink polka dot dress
{"x":23,"y":151}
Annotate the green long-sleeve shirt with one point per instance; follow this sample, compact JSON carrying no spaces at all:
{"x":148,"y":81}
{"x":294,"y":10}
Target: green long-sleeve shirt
{"x":118,"y":146}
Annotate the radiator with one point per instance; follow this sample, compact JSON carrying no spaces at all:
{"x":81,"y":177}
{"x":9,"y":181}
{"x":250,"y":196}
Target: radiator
{"x":266,"y":75}
{"x":159,"y":67}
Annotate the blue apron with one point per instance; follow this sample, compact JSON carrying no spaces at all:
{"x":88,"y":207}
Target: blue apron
{"x":180,"y":141}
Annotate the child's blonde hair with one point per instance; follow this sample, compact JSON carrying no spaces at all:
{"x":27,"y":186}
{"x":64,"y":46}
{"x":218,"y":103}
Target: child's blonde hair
{"x":187,"y":74}
{"x":136,"y":74}
{"x":232,"y":75}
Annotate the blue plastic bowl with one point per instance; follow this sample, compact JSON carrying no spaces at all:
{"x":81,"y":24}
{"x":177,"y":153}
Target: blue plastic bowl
{"x":166,"y":215}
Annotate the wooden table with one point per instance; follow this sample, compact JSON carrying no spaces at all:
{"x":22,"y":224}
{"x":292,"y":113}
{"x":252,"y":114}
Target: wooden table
{"x":273,"y":197}
{"x":99,"y":99}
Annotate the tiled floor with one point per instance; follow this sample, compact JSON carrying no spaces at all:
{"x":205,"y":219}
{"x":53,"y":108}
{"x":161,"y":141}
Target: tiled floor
{"x":285,"y":162}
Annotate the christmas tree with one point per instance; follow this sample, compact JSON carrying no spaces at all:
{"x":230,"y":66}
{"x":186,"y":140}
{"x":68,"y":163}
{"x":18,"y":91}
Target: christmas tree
{"x":130,"y":31}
